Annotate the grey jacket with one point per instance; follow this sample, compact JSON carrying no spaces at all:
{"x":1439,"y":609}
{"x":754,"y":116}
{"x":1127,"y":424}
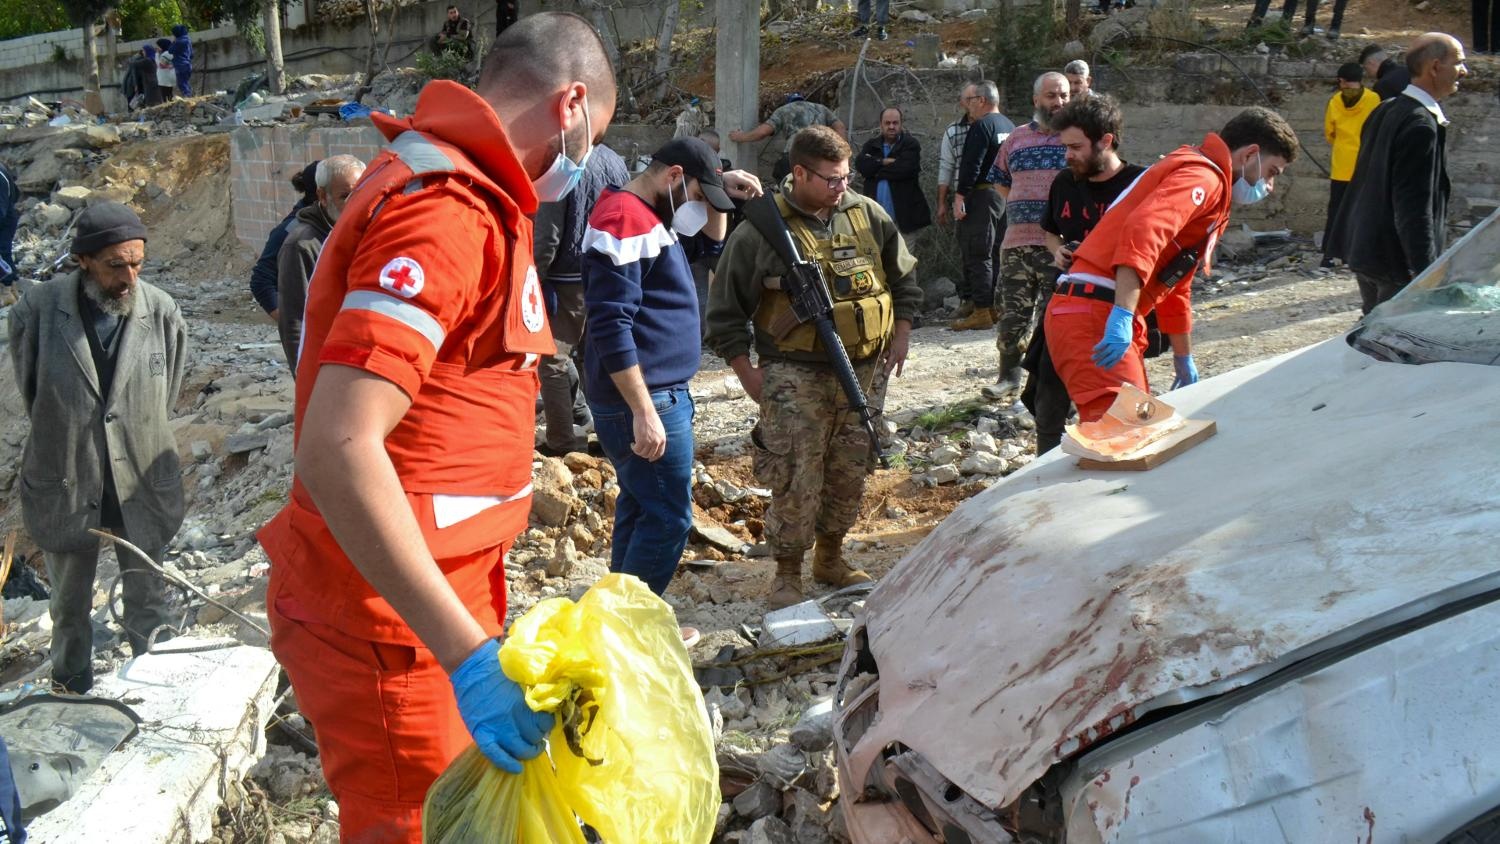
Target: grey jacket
{"x":74,"y":428}
{"x":294,"y":269}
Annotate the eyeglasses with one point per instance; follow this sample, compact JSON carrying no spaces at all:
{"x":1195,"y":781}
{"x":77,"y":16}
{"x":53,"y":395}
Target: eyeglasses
{"x":834,"y":182}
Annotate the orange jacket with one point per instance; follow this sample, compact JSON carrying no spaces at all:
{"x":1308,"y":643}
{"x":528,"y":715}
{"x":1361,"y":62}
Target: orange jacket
{"x":427,"y":281}
{"x":1171,"y":207}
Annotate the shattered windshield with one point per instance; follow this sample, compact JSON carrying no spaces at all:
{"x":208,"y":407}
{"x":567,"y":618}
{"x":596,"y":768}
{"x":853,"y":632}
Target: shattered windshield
{"x":1449,"y":313}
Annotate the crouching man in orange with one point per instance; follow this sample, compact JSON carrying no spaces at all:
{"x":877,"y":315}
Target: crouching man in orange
{"x":414,"y":413}
{"x":1143,"y":253}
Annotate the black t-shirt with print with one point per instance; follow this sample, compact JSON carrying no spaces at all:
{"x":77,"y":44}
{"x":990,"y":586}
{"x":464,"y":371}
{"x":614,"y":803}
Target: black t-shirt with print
{"x":1074,"y":207}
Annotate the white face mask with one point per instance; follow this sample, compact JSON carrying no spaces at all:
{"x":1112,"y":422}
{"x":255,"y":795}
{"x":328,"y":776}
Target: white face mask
{"x":691,"y":216}
{"x":564,"y":174}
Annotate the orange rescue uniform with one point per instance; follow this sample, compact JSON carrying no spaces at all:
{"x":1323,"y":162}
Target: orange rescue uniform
{"x":1181,"y":202}
{"x":426,"y":281}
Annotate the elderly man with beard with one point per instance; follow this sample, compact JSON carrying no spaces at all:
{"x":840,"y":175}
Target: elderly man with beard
{"x":99,"y":356}
{"x":335,"y":178}
{"x":1025,"y":167}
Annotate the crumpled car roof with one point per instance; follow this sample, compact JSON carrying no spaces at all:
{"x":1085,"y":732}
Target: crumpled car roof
{"x":1060,"y":605}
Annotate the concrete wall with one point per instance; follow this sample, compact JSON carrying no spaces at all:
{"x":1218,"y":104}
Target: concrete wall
{"x":1166,"y":107}
{"x":221,"y":58}
{"x":261,"y":163}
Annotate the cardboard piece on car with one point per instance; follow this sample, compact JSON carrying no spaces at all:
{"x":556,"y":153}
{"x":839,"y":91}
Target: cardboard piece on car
{"x":1192,"y":432}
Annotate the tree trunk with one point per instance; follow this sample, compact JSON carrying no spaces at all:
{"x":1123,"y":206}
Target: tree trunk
{"x":270,"y":21}
{"x":91,"y":99}
{"x":373,"y":23}
{"x":664,"y":48}
{"x":111,"y":47}
{"x":601,"y":25}
{"x":1074,"y":15}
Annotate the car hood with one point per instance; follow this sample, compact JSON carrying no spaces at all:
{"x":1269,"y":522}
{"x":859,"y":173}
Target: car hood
{"x":1062,"y":604}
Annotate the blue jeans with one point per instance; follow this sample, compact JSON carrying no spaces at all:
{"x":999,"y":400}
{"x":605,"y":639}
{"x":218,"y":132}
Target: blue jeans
{"x":882,"y":12}
{"x":655,"y":509}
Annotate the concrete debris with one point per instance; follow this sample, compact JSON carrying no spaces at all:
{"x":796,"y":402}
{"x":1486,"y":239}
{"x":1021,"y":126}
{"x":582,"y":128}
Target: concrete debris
{"x":73,"y":197}
{"x":784,"y":766}
{"x":814,"y":732}
{"x":769,"y":831}
{"x":799,"y":624}
{"x":944,"y":474}
{"x":760,"y":800}
{"x":983,"y":463}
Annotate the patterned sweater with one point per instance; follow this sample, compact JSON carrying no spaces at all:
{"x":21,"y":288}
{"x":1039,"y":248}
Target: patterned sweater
{"x":1027,"y":163}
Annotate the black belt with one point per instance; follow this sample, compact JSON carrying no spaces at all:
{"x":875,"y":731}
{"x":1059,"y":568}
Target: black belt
{"x":1087,"y":291}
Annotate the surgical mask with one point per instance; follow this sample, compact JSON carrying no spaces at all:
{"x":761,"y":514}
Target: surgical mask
{"x":564,"y":174}
{"x":1248,"y":194}
{"x":691,"y":216}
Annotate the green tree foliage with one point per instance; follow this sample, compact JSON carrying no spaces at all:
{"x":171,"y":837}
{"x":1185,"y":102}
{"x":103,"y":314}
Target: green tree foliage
{"x":28,"y":17}
{"x":140,"y":19}
{"x":143,"y":19}
{"x":1023,"y":44}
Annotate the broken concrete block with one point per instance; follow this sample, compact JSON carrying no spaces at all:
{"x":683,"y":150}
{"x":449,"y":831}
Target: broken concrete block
{"x":40,"y":175}
{"x":944,"y":454}
{"x":983,"y":463}
{"x":97,"y":136}
{"x":202,"y":450}
{"x":945,"y":474}
{"x":275,"y":420}
{"x":979,"y":441}
{"x":814,"y":731}
{"x":784,"y":766}
{"x":769,"y":831}
{"x":718,"y":537}
{"x":50,"y":217}
{"x":806,"y":817}
{"x":72,"y":196}
{"x":563,"y":558}
{"x":758,"y":801}
{"x":553,"y":507}
{"x":242,"y":443}
{"x":799,"y":624}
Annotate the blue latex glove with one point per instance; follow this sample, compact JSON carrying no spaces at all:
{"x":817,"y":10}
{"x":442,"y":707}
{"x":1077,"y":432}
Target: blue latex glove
{"x":495,"y":711}
{"x":1187,"y":371}
{"x":1119,"y":332}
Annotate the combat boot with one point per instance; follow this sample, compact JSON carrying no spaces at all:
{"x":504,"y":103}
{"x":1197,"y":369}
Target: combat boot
{"x":786,"y":586}
{"x":981,"y":319}
{"x":829,"y":565}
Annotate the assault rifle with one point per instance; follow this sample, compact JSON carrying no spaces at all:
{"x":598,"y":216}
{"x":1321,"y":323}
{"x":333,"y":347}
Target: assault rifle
{"x":805,"y":286}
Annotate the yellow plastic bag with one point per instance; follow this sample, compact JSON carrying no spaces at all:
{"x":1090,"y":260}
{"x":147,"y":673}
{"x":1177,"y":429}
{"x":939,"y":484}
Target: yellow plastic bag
{"x":631,"y":755}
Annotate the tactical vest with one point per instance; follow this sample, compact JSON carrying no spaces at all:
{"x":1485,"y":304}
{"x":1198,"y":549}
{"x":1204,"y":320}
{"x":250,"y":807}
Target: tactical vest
{"x":863,"y":309}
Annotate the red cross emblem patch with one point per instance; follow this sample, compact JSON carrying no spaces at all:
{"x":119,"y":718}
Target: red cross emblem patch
{"x":533,"y":309}
{"x":403,"y":277}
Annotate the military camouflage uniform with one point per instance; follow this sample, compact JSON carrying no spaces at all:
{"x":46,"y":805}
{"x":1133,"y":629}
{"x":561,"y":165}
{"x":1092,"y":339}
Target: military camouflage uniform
{"x":792,"y":118}
{"x":810,"y":449}
{"x":1027,"y":276}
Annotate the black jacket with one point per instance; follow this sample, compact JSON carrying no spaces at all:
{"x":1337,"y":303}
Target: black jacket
{"x":557,"y":238}
{"x":912,"y":212}
{"x":294,"y":268}
{"x":1391,"y":79}
{"x":980,"y":147}
{"x":1391,"y":223}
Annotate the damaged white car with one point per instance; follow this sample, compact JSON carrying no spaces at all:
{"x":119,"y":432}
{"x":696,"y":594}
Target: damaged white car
{"x":1289,"y":633}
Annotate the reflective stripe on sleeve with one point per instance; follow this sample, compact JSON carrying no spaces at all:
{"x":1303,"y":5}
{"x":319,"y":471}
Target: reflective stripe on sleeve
{"x":401,"y":311}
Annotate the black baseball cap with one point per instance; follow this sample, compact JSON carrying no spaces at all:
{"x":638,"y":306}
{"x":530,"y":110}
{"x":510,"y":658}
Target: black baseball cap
{"x":1351,"y":72}
{"x":698,"y":161}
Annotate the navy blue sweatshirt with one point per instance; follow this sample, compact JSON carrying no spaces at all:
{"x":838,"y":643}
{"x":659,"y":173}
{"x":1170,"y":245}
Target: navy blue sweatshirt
{"x":640,"y":304}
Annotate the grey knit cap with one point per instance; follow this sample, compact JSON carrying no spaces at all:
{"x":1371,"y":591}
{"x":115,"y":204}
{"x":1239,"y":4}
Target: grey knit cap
{"x":106,"y":224}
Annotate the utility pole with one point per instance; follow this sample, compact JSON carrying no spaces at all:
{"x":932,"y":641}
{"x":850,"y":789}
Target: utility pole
{"x":737,"y":76}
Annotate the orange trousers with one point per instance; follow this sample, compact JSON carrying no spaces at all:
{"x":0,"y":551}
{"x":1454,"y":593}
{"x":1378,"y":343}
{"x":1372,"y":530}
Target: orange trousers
{"x":1074,"y":325}
{"x":384,"y":714}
